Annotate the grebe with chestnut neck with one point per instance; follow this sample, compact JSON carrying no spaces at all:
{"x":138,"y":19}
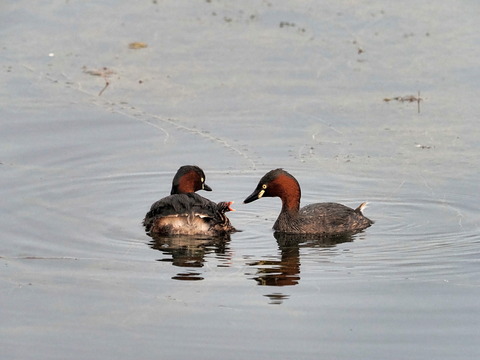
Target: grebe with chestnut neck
{"x":185,"y":212}
{"x":321,"y":218}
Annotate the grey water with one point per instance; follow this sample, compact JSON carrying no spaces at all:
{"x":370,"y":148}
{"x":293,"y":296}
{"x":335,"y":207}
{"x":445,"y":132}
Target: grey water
{"x":92,"y":132}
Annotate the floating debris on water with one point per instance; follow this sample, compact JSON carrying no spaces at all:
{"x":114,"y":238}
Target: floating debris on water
{"x":104,"y":73}
{"x":423,"y":146}
{"x":137,"y":45}
{"x":407,"y":98}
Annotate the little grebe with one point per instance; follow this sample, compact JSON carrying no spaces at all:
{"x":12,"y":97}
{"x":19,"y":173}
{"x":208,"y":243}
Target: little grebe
{"x":186,"y":213}
{"x":189,"y":179}
{"x":321,"y":218}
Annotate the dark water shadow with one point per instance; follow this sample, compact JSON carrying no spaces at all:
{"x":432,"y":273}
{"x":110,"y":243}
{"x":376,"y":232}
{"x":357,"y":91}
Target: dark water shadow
{"x":286,"y":270}
{"x":190,"y":252}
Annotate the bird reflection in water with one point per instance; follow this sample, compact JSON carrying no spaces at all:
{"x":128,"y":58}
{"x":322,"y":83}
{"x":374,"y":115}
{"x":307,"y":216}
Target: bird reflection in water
{"x":286,"y":270}
{"x":190,"y":252}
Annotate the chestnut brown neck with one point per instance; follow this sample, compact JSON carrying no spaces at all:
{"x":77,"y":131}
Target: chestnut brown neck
{"x":188,"y":183}
{"x":287,"y":189}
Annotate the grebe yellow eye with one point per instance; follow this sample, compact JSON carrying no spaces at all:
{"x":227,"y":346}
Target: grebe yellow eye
{"x":261,"y":192}
{"x":202,"y":180}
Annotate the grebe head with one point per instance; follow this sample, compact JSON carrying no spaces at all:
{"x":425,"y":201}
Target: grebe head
{"x":188,"y":179}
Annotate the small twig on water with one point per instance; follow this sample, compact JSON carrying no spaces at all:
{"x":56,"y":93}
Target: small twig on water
{"x":104,"y":73}
{"x":104,"y":88}
{"x":408,"y":98}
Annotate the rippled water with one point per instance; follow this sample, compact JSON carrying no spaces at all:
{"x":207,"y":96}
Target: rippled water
{"x":239,"y":89}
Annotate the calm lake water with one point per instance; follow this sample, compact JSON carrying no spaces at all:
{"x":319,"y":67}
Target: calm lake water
{"x":92,"y":132}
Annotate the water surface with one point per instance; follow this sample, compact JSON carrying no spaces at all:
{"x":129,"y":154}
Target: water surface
{"x":239,"y":89}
